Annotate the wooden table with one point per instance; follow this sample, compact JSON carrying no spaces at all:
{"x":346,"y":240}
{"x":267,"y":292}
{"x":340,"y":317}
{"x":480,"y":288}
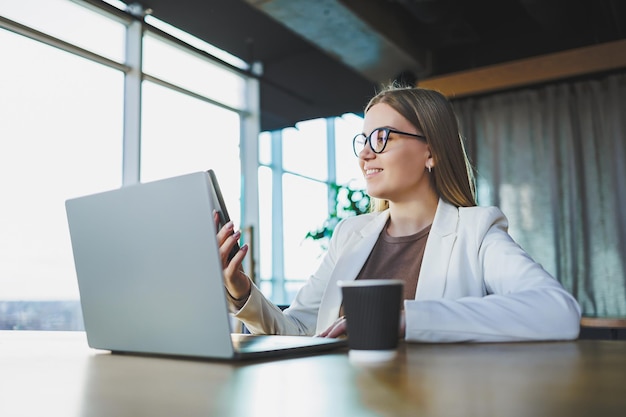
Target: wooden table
{"x":56,"y":374}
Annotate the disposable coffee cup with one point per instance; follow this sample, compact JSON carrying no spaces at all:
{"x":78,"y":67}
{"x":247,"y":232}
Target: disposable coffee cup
{"x":372,"y":309}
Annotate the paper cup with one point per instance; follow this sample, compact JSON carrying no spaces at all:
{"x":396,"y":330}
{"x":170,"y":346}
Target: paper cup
{"x":372,"y":309}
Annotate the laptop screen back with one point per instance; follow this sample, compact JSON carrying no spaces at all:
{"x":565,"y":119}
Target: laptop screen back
{"x":148,"y":269}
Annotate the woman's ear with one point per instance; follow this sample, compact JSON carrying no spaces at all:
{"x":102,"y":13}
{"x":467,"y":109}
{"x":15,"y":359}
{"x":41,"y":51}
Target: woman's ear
{"x":430,"y":162}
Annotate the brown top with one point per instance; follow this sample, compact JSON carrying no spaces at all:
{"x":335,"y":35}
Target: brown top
{"x":397,"y":258}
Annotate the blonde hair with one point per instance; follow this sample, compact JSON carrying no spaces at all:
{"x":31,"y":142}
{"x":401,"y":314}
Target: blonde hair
{"x":432,"y":114}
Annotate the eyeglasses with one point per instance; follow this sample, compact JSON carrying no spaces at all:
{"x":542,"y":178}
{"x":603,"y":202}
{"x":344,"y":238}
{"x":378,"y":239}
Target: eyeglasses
{"x":378,"y":139}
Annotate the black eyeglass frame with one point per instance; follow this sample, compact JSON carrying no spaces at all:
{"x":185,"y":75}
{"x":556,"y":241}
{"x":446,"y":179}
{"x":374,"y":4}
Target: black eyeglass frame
{"x":387,"y":130}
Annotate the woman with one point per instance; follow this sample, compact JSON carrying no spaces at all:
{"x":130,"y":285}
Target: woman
{"x":465,"y":278}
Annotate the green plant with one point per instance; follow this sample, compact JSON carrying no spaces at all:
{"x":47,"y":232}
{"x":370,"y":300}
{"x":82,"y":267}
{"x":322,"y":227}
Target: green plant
{"x":348,"y":202}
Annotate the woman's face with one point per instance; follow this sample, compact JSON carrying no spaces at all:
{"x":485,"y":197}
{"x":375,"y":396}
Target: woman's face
{"x":399,"y":173}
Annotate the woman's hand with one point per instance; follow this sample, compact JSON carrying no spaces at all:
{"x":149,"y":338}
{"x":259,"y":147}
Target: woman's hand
{"x":236,"y":282}
{"x":337,"y":329}
{"x":340,"y":327}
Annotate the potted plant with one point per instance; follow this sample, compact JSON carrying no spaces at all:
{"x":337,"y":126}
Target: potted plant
{"x":348,"y":202}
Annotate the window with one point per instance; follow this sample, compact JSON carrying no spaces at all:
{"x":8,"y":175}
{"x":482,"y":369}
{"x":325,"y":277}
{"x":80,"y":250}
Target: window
{"x":70,"y":22}
{"x":182,"y":134}
{"x":63,"y":133}
{"x":305,"y":149}
{"x":172,"y":64}
{"x":296,"y":167}
{"x":190,"y":115}
{"x":347,"y":165}
{"x":61,"y":137}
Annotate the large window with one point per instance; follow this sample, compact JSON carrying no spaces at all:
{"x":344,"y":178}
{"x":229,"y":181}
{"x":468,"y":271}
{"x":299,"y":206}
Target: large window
{"x":61,"y":136}
{"x":297,"y":167}
{"x":190,"y":115}
{"x":70,"y":22}
{"x":65,"y":132}
{"x":182,"y":134}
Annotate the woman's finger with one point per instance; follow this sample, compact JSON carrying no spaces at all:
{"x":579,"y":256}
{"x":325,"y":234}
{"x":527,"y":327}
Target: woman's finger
{"x":338,"y":328}
{"x":234,"y":265}
{"x":216,"y":220}
{"x":227,"y":246}
{"x":226,"y":231}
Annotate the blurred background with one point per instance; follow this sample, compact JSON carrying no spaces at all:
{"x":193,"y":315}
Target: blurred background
{"x":95,"y":95}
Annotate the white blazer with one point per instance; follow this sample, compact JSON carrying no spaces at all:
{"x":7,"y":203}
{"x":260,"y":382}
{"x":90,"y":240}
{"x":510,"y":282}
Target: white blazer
{"x":475,"y":284}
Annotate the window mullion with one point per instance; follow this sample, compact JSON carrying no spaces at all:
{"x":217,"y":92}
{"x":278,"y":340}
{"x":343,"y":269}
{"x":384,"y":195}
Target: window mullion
{"x":332,"y":160}
{"x":278,"y":264}
{"x":132,"y":104}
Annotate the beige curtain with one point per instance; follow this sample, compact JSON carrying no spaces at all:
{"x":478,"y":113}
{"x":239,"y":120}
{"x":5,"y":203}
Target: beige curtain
{"x":553,"y":158}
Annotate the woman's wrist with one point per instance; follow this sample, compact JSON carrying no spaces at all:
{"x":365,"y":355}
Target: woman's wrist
{"x":241,"y":296}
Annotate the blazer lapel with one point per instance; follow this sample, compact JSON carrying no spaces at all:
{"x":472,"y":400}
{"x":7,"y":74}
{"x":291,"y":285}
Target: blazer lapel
{"x":351,"y":258}
{"x":432,"y":279}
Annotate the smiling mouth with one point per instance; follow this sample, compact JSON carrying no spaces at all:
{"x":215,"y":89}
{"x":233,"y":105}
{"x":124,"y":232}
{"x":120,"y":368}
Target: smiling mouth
{"x":372,"y":171}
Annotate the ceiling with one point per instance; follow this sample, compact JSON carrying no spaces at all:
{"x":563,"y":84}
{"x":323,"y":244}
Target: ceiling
{"x":324,"y":58}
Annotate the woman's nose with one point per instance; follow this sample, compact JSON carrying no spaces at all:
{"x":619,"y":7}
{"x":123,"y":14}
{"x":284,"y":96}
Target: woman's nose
{"x":367,"y":152}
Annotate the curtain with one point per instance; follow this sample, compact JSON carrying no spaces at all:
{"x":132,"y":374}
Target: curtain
{"x":553,"y":158}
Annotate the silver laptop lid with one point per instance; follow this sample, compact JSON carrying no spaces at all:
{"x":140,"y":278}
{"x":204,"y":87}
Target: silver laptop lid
{"x":145,"y":256}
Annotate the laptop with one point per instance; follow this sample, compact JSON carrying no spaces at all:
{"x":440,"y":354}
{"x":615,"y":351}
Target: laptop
{"x":150,"y":278}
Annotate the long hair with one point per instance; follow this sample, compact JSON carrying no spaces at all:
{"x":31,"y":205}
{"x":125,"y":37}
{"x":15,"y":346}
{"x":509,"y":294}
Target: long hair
{"x":432,"y":114}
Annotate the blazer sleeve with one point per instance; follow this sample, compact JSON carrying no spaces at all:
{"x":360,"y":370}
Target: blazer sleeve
{"x":261,"y":316}
{"x":520,"y":301}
